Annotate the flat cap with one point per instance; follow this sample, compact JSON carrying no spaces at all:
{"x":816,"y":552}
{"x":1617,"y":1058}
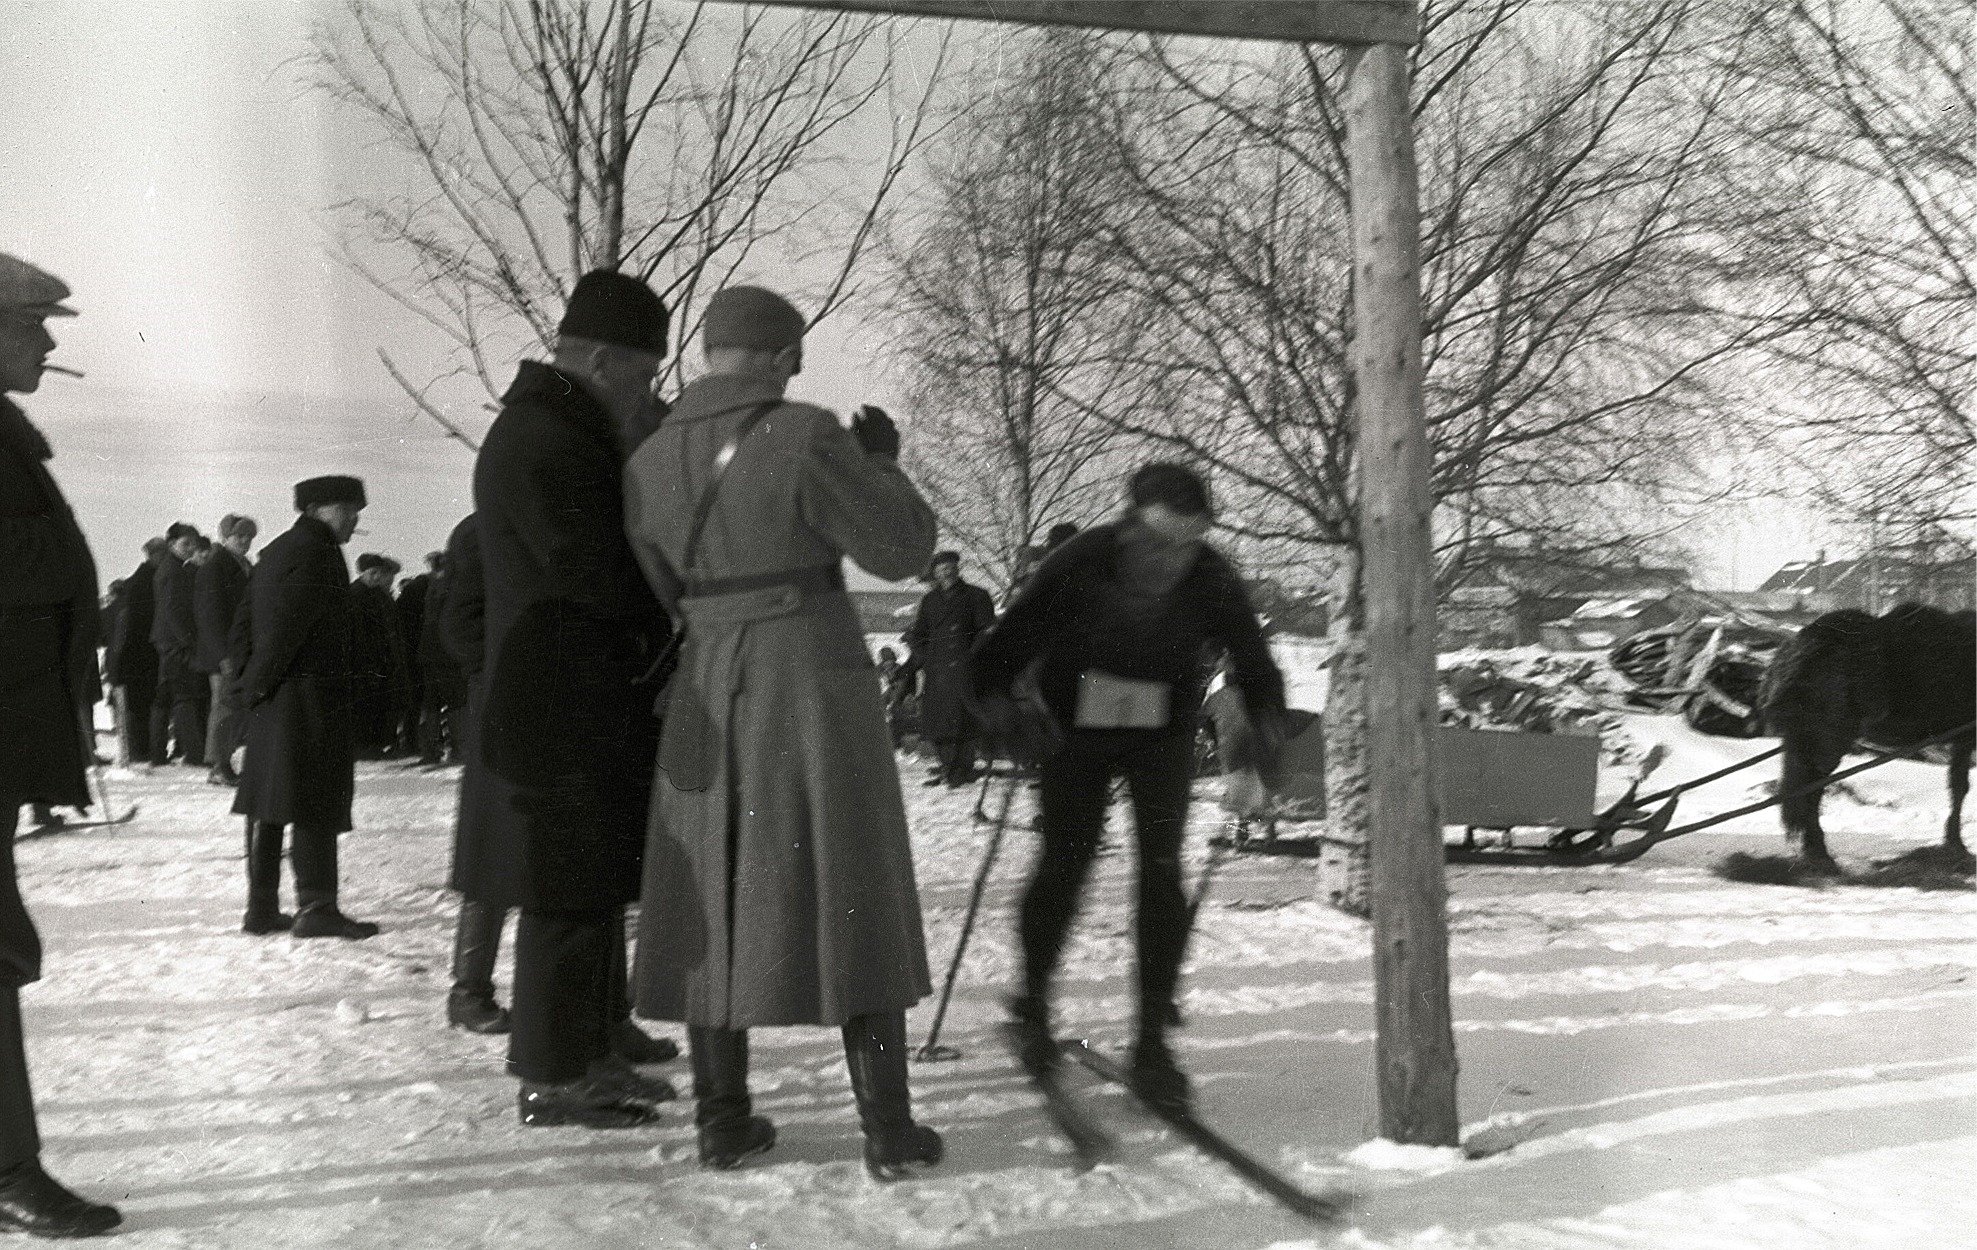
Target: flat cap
{"x":24,"y":288}
{"x":334,"y":488}
{"x":611,"y":307}
{"x":749,"y":316}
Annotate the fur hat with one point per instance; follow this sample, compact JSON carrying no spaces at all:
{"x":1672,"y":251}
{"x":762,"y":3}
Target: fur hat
{"x":749,"y":316}
{"x":335,"y":488}
{"x":233,"y":523}
{"x":180,"y":529}
{"x":611,"y":307}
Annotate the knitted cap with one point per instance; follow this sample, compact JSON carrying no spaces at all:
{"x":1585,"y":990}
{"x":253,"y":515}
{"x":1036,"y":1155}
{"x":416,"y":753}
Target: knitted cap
{"x":611,"y":307}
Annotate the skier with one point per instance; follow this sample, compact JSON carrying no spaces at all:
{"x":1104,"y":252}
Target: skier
{"x":778,"y":875}
{"x":47,"y":661}
{"x":1120,"y":616}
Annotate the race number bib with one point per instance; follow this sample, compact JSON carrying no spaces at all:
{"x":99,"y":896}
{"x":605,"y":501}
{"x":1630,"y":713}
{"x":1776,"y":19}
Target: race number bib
{"x":1109,"y":702}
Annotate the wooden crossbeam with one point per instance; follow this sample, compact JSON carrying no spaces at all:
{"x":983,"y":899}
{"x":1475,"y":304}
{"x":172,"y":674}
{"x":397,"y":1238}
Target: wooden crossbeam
{"x":1322,"y":21}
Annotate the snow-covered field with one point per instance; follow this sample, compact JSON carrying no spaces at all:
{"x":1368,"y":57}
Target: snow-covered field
{"x":1651,"y":1056}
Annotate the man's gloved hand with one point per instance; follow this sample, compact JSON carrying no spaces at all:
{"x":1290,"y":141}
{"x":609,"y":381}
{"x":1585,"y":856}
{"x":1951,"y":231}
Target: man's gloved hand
{"x":875,"y":431}
{"x":1019,"y":729}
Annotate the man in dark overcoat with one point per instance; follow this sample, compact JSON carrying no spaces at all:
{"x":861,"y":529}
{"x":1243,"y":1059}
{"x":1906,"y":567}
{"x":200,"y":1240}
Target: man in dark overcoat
{"x":952,"y":616}
{"x":130,"y":662}
{"x":377,"y":657}
{"x":300,"y":767}
{"x":567,"y":724}
{"x":48,"y":634}
{"x":218,"y":591}
{"x":438,"y":683}
{"x":414,"y":598}
{"x":177,"y":729}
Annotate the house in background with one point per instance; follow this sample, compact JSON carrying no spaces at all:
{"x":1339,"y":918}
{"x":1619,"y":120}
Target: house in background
{"x":1508,"y":595}
{"x":1597,"y":624}
{"x":1942,"y":573}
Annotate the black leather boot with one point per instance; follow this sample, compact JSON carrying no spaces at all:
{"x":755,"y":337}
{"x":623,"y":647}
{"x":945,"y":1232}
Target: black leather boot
{"x":635,"y":1045}
{"x":313,"y":854}
{"x":728,"y":1132}
{"x":1156,"y":1077}
{"x":476,"y":1011}
{"x":476,"y":942}
{"x":264,"y":913}
{"x":875,"y":1052}
{"x":34,"y":1202}
{"x":582,"y":1103}
{"x":1029,"y":1035}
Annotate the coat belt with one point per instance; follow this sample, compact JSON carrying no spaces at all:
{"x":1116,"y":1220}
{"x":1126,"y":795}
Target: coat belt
{"x":815,"y":580}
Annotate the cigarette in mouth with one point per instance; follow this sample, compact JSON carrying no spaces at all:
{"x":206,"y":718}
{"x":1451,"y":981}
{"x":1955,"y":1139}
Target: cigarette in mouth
{"x":74,"y":373}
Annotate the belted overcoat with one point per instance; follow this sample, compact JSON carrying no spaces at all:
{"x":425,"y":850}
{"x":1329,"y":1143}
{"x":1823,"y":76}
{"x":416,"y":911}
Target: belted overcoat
{"x":779,"y":882}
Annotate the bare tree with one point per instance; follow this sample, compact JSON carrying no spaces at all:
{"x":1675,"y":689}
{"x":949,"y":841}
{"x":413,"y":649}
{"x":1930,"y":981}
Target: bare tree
{"x":677,"y":143}
{"x":998,"y":301}
{"x":1866,"y":110}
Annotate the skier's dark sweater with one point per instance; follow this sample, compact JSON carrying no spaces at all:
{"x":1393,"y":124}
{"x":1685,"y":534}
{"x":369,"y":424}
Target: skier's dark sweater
{"x":1079,"y":613}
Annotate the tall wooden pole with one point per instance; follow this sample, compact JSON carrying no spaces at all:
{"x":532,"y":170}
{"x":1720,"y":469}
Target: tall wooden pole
{"x":1416,"y":1047}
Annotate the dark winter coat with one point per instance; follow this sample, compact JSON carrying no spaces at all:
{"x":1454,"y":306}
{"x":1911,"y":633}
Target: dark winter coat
{"x":217,"y":591}
{"x":779,"y":881}
{"x":949,"y":624}
{"x":300,"y":767}
{"x":1075,"y":614}
{"x":175,"y":625}
{"x":459,"y":617}
{"x":130,"y":659}
{"x":571,"y":629}
{"x":48,"y":627}
{"x":377,"y":663}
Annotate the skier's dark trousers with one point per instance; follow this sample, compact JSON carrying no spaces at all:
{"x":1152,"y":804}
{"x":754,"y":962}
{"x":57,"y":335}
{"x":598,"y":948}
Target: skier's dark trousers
{"x":1121,"y":617}
{"x":48,"y":629}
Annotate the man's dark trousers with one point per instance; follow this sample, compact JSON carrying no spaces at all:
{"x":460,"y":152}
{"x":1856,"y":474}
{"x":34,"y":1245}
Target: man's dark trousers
{"x":569,"y":986}
{"x":19,"y":1141}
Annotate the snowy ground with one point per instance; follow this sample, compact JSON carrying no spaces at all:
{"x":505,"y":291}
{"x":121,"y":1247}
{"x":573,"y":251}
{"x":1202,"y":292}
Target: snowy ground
{"x":1653,"y":1056}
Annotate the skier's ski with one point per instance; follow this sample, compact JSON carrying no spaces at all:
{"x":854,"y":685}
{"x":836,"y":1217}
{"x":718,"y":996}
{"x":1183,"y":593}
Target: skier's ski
{"x":69,"y":826}
{"x":1322,"y":1208}
{"x":1089,"y":1141}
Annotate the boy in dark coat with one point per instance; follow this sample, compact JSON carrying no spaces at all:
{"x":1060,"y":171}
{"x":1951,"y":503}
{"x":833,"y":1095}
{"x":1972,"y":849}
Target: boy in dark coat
{"x":48,"y":634}
{"x":953,"y":616}
{"x":300,"y":768}
{"x":130,"y":662}
{"x":218,"y":591}
{"x":567,"y":729}
{"x":1121,"y":617}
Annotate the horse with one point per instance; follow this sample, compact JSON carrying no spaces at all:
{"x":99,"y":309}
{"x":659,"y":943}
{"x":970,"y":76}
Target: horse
{"x":1890,"y":681}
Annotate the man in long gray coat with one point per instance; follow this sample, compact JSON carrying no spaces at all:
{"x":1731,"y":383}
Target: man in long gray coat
{"x":778,"y":877}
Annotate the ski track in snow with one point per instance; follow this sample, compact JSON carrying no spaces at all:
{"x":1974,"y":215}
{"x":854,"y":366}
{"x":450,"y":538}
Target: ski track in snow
{"x":1651,"y":1057}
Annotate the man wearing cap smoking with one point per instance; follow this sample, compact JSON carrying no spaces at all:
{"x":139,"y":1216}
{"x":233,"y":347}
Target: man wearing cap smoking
{"x":778,"y":877}
{"x":567,"y":732}
{"x":48,"y":626}
{"x":300,"y":767}
{"x":216,"y":597}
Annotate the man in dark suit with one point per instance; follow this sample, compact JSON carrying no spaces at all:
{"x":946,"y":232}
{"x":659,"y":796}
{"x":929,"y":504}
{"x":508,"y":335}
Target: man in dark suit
{"x":300,"y":767}
{"x":47,"y":660}
{"x":218,"y":591}
{"x":130,"y":664}
{"x":952,"y":616}
{"x":567,"y":724}
{"x":177,"y":730}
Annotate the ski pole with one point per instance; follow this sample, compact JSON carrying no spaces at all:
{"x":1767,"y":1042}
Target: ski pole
{"x":931,"y":1050}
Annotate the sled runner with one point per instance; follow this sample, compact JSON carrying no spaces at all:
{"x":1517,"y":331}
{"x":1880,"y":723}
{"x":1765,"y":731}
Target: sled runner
{"x":1319,"y":1208}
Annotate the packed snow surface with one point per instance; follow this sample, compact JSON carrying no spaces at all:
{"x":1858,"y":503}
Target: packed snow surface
{"x":1651,"y":1056}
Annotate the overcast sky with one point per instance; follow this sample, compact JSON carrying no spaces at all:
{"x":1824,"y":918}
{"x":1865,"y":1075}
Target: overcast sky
{"x":167,"y":161}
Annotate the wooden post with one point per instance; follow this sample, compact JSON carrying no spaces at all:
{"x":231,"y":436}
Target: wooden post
{"x":1416,"y":1047}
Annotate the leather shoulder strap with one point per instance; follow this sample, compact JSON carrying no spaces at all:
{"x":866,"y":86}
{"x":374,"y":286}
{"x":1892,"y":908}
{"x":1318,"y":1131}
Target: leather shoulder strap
{"x":703,"y":507}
